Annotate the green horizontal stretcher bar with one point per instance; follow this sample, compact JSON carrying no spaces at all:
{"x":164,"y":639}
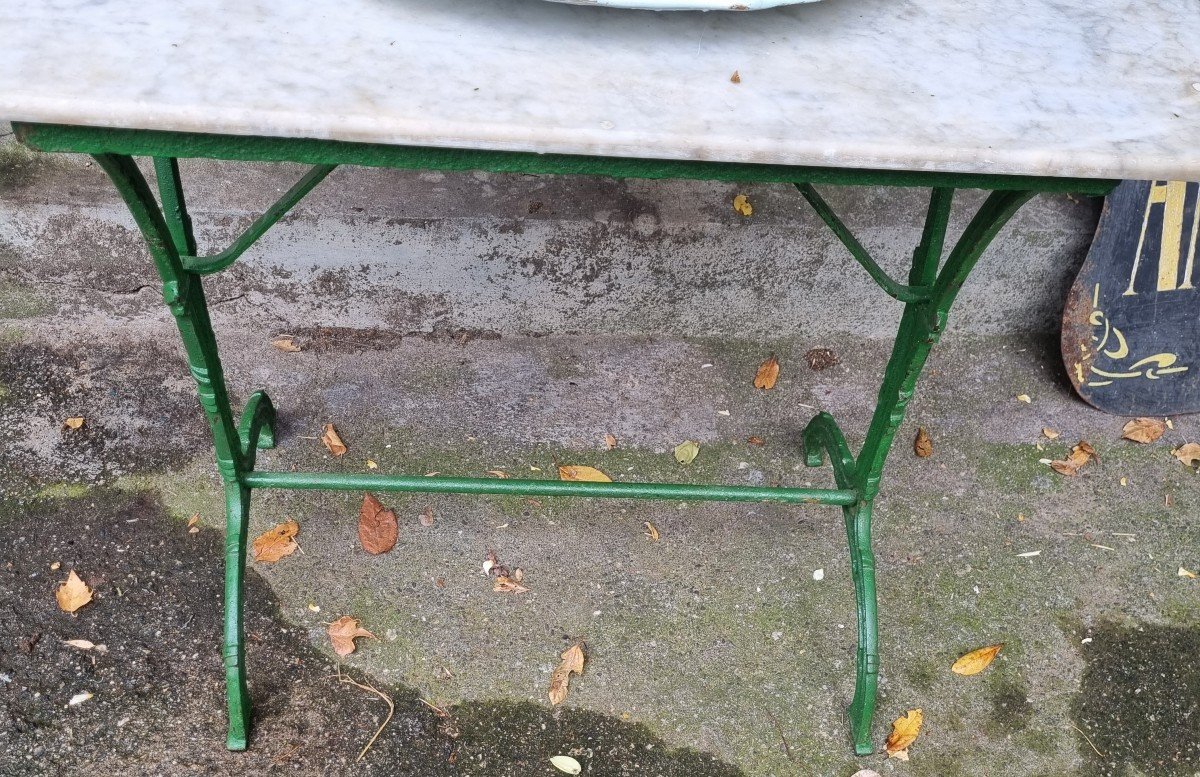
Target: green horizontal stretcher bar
{"x":437,"y":485}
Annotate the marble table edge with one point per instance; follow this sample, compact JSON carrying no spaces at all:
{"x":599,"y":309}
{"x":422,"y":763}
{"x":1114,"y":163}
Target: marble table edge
{"x":1015,"y":160}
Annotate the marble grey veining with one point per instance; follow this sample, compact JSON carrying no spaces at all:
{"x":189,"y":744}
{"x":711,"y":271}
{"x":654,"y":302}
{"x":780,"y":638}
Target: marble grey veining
{"x":1091,"y":88}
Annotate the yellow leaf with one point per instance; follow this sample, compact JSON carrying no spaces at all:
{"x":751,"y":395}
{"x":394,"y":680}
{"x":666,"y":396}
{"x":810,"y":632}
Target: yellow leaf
{"x":285,"y":344}
{"x":1189,"y":454}
{"x":651,"y":531}
{"x":741,"y":204}
{"x":1024,"y":398}
{"x":1189,"y":574}
{"x":1081,"y":454}
{"x":74,"y":423}
{"x":976,"y":661}
{"x":686,"y":452}
{"x":371,"y":464}
{"x":1049,"y":434}
{"x":923,"y":446}
{"x":272,"y":545}
{"x":1143,"y":430}
{"x":332,"y":441}
{"x":72,"y":593}
{"x":565,"y":763}
{"x":343,"y":632}
{"x":572,"y":663}
{"x":768,"y":373}
{"x":904,"y":732}
{"x":588,"y":474}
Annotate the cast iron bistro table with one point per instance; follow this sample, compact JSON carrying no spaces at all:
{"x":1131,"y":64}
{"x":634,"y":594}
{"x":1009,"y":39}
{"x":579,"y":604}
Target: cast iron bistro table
{"x":1016,"y":97}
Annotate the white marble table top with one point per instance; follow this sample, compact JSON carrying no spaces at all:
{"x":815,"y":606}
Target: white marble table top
{"x":1087,"y":88}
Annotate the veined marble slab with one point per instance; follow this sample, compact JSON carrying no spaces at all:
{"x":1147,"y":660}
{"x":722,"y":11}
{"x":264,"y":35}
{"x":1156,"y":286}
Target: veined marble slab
{"x":1093,"y":88}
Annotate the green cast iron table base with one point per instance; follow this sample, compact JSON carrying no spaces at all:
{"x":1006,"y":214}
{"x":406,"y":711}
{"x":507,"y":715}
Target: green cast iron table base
{"x":927,"y":296}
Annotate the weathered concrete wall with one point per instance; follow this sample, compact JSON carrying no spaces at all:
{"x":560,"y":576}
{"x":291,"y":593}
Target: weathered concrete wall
{"x":518,"y":254}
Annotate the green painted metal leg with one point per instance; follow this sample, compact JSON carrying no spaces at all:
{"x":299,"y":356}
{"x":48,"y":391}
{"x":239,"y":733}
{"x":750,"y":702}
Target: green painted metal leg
{"x":237,"y":514}
{"x":928,"y":297}
{"x":866,"y":675}
{"x":183,"y":292}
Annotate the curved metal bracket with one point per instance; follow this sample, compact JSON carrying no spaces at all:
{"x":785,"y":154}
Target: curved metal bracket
{"x":890,"y":285}
{"x":207,"y":265}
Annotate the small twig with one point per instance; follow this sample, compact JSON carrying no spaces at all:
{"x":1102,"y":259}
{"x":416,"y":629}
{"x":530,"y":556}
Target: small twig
{"x":391,"y":708}
{"x":1087,"y":738}
{"x":787,"y":750}
{"x":286,"y":755}
{"x":441,"y":713}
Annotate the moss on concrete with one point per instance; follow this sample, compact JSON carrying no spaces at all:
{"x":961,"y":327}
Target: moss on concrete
{"x":62,"y":491}
{"x":20,"y":302}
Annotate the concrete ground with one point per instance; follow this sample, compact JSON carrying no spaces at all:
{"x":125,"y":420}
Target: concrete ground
{"x":713,"y":651}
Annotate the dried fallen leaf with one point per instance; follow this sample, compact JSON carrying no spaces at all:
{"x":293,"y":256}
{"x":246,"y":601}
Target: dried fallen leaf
{"x":192,"y":524}
{"x":865,"y":773}
{"x":343,"y":632}
{"x":904,"y":732}
{"x":333,"y":441}
{"x":499,"y":473}
{"x":72,"y":593}
{"x":1189,"y":454}
{"x":74,"y":423}
{"x":1024,"y":398}
{"x":285,"y":344}
{"x":1049,"y":434}
{"x":82,"y":644}
{"x":610,"y":442}
{"x":588,"y":474}
{"x":1029,"y":554}
{"x":741,"y":204}
{"x":1189,"y":574}
{"x":976,"y":661}
{"x":272,"y":545}
{"x":768,"y":373}
{"x":572,"y":663}
{"x":372,"y":464}
{"x":686,"y":452}
{"x":377,"y":528}
{"x":923,"y":446}
{"x":427,"y":516}
{"x":1081,"y":454}
{"x":565,"y":763}
{"x":79,"y":698}
{"x":55,"y":565}
{"x":1143,"y":430}
{"x":736,"y":78}
{"x":755,"y":440}
{"x":651,"y":531}
{"x":509,"y":585}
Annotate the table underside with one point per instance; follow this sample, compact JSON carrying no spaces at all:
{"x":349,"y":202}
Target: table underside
{"x":927,"y":295}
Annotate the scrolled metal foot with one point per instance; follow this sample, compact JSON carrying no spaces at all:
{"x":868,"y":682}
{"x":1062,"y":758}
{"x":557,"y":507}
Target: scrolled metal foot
{"x":822,"y":436}
{"x":256,"y":430}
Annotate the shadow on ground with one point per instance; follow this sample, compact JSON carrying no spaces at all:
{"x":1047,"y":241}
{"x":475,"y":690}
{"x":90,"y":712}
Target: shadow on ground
{"x":157,"y":705}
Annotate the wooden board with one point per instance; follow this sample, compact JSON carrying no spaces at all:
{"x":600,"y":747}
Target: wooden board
{"x":1131,"y":327}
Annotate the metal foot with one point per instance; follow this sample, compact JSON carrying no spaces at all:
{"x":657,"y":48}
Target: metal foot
{"x":866,"y":676}
{"x":237,"y":505}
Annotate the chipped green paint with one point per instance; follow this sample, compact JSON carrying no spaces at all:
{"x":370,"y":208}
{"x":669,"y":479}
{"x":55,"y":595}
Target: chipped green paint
{"x":927,"y":297}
